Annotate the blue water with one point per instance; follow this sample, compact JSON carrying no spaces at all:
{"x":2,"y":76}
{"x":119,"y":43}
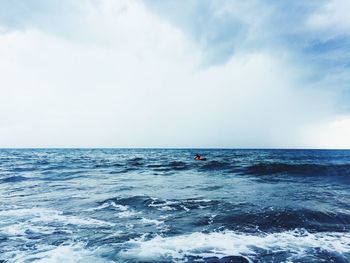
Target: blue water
{"x":128,"y":205}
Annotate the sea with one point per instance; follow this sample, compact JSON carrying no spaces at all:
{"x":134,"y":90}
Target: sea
{"x":160,"y":205}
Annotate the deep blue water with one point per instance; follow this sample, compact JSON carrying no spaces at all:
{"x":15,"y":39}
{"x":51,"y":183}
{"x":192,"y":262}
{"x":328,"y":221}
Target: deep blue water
{"x":134,"y":205}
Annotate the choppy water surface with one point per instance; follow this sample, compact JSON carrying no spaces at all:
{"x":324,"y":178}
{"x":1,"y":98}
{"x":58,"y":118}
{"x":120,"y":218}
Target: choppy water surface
{"x":162,"y":206}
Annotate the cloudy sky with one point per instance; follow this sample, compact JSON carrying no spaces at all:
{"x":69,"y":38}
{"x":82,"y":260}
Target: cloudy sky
{"x":154,"y":73}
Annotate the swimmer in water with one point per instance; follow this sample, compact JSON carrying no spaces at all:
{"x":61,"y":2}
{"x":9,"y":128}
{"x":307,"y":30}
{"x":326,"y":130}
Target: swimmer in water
{"x":199,"y":158}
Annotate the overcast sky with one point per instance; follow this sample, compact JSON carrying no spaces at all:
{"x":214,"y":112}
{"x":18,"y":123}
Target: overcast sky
{"x":154,"y":73}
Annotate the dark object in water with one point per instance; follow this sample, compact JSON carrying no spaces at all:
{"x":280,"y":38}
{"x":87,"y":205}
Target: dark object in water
{"x":199,"y":158}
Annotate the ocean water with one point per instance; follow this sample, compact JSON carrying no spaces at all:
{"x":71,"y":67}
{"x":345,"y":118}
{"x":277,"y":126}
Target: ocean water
{"x":144,"y":205}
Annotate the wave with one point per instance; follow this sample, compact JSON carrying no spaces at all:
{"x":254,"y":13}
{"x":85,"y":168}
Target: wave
{"x":171,"y":166}
{"x":281,"y":220}
{"x":18,"y":169}
{"x":237,"y":167}
{"x":212,"y":188}
{"x":205,"y":166}
{"x":277,"y":247}
{"x":301,"y":169}
{"x":168,"y":166}
{"x":54,"y":167}
{"x":62,"y":175}
{"x":39,"y":215}
{"x":73,"y":253}
{"x":216,"y":165}
{"x":144,"y":203}
{"x":137,"y":161}
{"x":214,"y":214}
{"x":108,"y":165}
{"x":14,"y":179}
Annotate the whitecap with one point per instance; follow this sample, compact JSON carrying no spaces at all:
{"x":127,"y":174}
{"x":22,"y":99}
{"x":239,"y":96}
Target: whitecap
{"x":185,"y":208}
{"x":120,"y":207}
{"x":109,"y":204}
{"x":65,"y":253}
{"x":148,"y":221}
{"x":104,"y":205}
{"x":160,"y":225}
{"x":128,"y":213}
{"x":37,"y":214}
{"x":20,"y":229}
{"x":164,"y":206}
{"x":228,"y":243}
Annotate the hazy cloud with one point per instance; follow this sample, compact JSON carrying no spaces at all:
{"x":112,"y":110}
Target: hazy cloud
{"x":171,"y":74}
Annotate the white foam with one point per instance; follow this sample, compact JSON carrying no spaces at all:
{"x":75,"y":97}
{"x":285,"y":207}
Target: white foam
{"x":164,"y":206}
{"x":229,"y":243}
{"x":211,"y":219}
{"x":124,"y":211}
{"x":120,"y":207}
{"x":66,"y":253}
{"x":166,"y":202}
{"x":20,"y":228}
{"x":104,"y":205}
{"x":128,"y":213}
{"x":109,"y":204}
{"x":159,"y":223}
{"x":201,"y":200}
{"x":37,"y":214}
{"x":185,"y":208}
{"x":148,"y":221}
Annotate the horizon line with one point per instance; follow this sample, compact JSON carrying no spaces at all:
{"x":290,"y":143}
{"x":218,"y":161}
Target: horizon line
{"x":166,"y":148}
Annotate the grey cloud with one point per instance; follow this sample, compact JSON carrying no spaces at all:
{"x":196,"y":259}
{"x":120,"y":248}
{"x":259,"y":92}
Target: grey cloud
{"x":223,"y":28}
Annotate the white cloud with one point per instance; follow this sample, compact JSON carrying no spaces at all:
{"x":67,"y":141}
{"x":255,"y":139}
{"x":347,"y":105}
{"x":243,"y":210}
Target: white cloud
{"x":332,"y":19}
{"x":133,"y":80}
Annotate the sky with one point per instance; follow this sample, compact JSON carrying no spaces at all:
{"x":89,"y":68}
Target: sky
{"x":168,"y":73}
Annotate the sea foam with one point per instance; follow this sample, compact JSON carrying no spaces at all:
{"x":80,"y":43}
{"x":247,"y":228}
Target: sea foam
{"x":228,"y":243}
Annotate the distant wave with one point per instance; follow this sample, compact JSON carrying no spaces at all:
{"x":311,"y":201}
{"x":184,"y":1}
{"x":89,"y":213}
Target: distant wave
{"x":108,"y":165}
{"x":135,"y":161}
{"x":277,"y":220}
{"x":215,"y":165}
{"x":169,"y":166}
{"x":14,"y":179}
{"x":302,"y":169}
